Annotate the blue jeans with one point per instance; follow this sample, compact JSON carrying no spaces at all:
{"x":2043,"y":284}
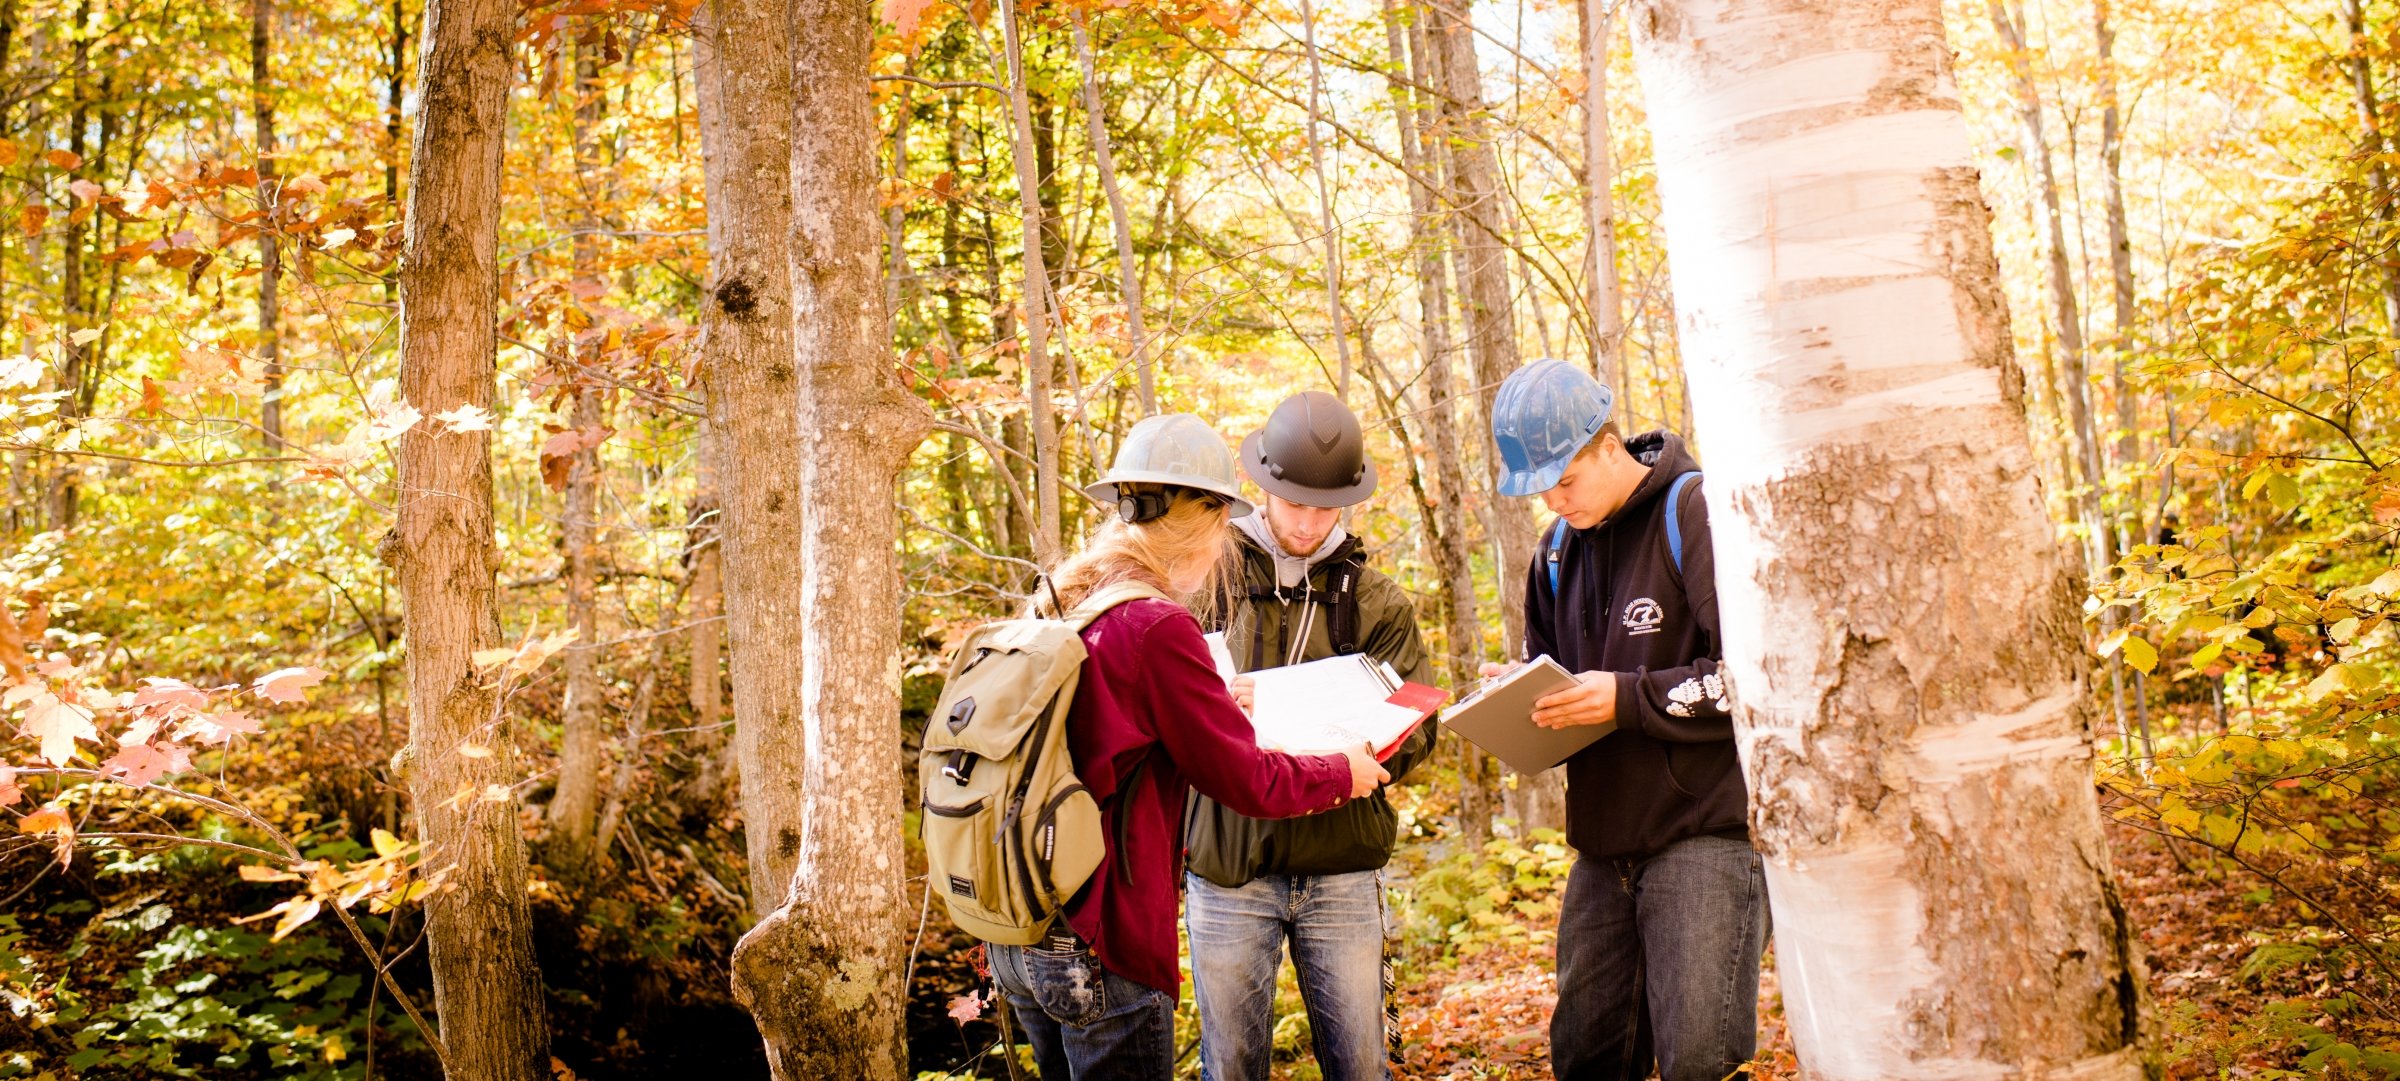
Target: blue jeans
{"x":1085,"y":1023}
{"x":1334,"y":924}
{"x":1659,"y":955}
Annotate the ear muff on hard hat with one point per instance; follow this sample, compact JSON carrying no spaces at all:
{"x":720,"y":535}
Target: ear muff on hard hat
{"x":1174,"y":450}
{"x":1542,"y":416}
{"x":1311,"y":452}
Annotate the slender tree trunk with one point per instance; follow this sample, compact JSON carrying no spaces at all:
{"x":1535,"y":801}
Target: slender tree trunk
{"x":575,"y":809}
{"x":2120,"y":242}
{"x":75,"y":369}
{"x":2371,"y":138}
{"x":1421,"y":153}
{"x":2066,"y":322}
{"x":393,"y":91}
{"x":270,"y":262}
{"x":1038,"y":369}
{"x":1916,"y":730}
{"x":823,"y":974}
{"x":753,"y":383}
{"x":487,"y":989}
{"x":1129,"y":274}
{"x":1602,"y":292}
{"x":1474,"y":177}
{"x":706,"y":692}
{"x":1326,"y":220}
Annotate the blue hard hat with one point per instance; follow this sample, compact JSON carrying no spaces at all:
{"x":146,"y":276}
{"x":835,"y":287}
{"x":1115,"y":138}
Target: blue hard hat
{"x":1544,"y":413}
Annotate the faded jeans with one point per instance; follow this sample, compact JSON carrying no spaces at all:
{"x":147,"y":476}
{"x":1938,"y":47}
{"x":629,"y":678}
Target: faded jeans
{"x":1658,"y":957}
{"x":1085,"y":1023}
{"x":1334,"y":925}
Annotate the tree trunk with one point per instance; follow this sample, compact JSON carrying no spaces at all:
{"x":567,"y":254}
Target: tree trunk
{"x":1129,"y":275}
{"x":2120,"y":244}
{"x":1036,"y":298}
{"x":754,"y":403}
{"x":1421,"y":153}
{"x":1326,"y":220}
{"x":1916,"y":731}
{"x":262,"y":106}
{"x":487,"y":989}
{"x":575,"y":809}
{"x":2066,"y":322}
{"x":706,"y":692}
{"x":76,"y":362}
{"x":1602,"y":291}
{"x":1482,"y":280}
{"x":2372,"y":141}
{"x":823,"y":974}
{"x":393,"y":92}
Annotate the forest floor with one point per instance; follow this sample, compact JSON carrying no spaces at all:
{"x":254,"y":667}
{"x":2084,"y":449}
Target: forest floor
{"x":1475,"y":1007}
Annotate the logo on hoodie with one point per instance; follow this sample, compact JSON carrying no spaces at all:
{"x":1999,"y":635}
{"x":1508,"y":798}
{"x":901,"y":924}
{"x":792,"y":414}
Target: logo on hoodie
{"x":1644,"y":616}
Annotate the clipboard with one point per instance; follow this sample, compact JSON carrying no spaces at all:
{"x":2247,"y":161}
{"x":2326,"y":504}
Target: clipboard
{"x":1337,"y":703}
{"x":1499,"y":719}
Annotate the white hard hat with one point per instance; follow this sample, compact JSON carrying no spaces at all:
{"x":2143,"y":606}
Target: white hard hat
{"x":1176,"y":449}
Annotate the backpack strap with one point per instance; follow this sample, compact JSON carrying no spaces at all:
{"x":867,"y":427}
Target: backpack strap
{"x":1556,"y":548}
{"x":1342,"y":573}
{"x":1107,"y":597}
{"x":1674,"y":526}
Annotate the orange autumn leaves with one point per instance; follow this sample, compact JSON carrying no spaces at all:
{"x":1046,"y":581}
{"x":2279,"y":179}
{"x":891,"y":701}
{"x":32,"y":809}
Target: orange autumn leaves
{"x":155,"y":728}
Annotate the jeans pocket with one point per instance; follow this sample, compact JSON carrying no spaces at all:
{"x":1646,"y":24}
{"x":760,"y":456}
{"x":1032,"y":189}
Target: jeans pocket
{"x":1069,"y":987}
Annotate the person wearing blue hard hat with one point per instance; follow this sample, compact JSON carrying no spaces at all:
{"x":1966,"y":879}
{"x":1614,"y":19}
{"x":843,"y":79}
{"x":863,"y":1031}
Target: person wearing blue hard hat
{"x":1664,"y":921}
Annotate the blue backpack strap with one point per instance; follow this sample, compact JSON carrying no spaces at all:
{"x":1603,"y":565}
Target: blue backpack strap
{"x":1557,"y":546}
{"x":1674,"y":527}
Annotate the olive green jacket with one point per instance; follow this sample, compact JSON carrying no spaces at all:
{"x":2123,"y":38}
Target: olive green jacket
{"x":1229,"y":849}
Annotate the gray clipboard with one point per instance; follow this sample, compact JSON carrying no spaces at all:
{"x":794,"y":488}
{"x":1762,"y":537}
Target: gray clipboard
{"x":1499,"y":719}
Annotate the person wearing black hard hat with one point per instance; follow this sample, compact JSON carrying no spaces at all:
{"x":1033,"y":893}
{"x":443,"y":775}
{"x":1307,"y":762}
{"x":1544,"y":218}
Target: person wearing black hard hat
{"x":1302,"y":592}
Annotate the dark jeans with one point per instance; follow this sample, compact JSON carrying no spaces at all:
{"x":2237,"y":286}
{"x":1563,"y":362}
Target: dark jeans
{"x":1334,"y":924}
{"x":1085,"y":1023}
{"x":1659,"y":956}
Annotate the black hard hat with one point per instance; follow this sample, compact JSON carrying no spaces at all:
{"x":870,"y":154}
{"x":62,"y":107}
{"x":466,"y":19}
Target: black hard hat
{"x":1311,"y":452}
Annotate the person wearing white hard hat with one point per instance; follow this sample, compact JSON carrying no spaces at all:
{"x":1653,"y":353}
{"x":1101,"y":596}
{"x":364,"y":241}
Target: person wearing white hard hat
{"x":1151,"y":720}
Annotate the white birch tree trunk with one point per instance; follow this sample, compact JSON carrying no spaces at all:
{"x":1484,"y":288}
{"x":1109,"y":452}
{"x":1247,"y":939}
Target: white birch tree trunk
{"x":1914,"y":720}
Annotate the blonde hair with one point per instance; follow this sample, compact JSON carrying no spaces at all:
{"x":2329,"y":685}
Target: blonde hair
{"x":1147,"y":552}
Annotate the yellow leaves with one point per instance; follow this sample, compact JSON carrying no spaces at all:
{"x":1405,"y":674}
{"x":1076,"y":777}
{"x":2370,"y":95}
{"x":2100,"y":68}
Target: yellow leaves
{"x":386,"y":882}
{"x":2138,"y":651}
{"x":2351,"y":678}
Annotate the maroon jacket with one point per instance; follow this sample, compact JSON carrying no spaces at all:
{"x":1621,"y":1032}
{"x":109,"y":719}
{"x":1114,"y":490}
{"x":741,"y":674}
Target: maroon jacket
{"x":1151,"y":710}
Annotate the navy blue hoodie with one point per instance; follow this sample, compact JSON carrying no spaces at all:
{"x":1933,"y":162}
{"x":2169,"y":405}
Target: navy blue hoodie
{"x":1669,"y":771}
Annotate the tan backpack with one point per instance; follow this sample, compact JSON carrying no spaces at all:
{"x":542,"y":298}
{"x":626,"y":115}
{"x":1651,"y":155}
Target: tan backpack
{"x":1010,"y":833}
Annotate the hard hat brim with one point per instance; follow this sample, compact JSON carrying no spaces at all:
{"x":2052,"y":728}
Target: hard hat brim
{"x":1105,"y":489}
{"x":1326,"y":498}
{"x":1533,"y":481}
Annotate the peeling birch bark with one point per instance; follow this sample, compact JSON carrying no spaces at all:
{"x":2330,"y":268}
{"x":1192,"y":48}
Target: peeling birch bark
{"x":1913,"y":715}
